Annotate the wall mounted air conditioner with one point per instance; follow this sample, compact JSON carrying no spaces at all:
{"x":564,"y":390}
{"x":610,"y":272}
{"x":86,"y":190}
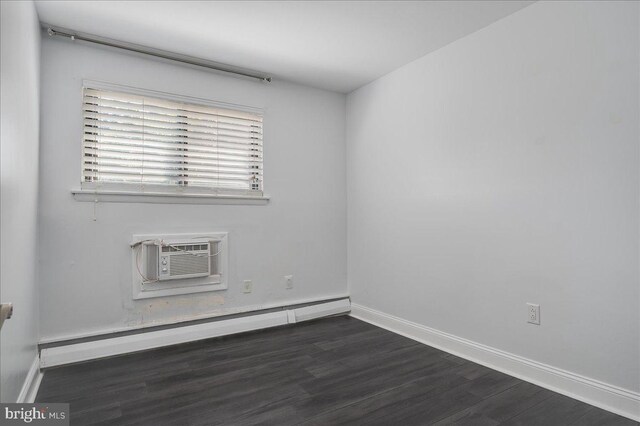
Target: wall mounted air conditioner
{"x":173,"y":264}
{"x":183,"y":259}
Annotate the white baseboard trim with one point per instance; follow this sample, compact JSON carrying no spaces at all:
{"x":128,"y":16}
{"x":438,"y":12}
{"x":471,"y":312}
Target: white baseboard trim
{"x":608,"y":397}
{"x":78,"y":352}
{"x":31,"y":383}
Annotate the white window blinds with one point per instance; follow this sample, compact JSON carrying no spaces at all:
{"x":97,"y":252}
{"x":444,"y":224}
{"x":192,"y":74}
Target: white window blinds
{"x":132,"y":139}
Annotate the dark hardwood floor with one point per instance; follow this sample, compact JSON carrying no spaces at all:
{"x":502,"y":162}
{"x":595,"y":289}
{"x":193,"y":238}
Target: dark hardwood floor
{"x":327,"y":372}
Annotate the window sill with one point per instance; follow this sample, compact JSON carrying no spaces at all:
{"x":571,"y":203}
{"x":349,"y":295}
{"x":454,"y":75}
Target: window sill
{"x":107,"y":196}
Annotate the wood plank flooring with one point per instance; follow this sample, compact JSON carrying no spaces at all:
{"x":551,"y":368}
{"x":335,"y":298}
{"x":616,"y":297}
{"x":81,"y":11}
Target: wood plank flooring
{"x":334,"y":371}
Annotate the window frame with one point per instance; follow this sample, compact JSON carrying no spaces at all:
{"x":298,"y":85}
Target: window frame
{"x":157,"y":193}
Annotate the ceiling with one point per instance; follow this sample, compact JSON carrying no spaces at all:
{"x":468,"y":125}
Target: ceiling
{"x":334,"y":45}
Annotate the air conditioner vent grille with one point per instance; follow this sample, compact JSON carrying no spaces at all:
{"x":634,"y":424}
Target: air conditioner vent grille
{"x":184,"y":247}
{"x":187,"y":264}
{"x":181,"y":259}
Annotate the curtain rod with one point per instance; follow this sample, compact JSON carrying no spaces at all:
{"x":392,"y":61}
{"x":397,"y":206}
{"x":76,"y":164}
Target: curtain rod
{"x":157,"y":53}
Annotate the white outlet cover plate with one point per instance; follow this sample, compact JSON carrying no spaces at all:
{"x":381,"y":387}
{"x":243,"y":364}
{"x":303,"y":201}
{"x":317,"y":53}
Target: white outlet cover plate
{"x":533,"y":313}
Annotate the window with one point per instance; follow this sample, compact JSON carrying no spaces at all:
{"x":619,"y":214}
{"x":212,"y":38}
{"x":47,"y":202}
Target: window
{"x":143,"y":142}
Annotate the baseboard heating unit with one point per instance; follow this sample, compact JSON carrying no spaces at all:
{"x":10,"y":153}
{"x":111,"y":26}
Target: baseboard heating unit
{"x":52,"y":356}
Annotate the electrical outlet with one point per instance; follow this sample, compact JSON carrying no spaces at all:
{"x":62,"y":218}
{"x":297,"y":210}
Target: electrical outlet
{"x":533,"y":313}
{"x":247,"y":286}
{"x":288,"y":279}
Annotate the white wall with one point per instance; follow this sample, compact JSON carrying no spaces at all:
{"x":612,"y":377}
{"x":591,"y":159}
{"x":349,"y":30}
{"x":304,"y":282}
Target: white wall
{"x":19,"y":126}
{"x":503,"y":169}
{"x":85,"y":266}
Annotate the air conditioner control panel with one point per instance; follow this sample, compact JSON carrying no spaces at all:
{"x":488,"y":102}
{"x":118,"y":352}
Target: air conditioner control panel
{"x":164,"y":265}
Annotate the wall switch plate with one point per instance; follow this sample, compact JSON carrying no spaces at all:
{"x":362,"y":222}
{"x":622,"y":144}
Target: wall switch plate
{"x":288,"y":280}
{"x":247,"y":286}
{"x":533,"y":313}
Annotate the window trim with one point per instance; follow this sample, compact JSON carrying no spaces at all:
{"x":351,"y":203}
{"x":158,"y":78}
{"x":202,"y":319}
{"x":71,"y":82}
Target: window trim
{"x":160,"y":197}
{"x":124,"y":192}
